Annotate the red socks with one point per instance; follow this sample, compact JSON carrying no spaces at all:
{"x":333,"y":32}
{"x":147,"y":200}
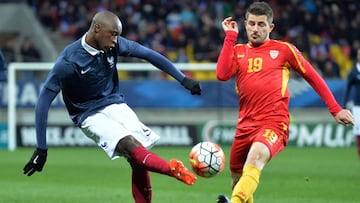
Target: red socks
{"x":149,"y":161}
{"x":143,"y":161}
{"x":141,"y":185}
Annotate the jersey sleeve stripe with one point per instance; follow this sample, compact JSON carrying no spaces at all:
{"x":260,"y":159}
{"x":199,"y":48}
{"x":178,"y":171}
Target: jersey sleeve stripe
{"x":298,"y":61}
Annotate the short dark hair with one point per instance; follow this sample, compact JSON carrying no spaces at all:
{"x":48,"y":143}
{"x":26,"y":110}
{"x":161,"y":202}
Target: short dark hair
{"x":260,"y":8}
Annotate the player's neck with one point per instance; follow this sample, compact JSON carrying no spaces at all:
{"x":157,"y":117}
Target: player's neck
{"x":89,"y":39}
{"x":252,"y":44}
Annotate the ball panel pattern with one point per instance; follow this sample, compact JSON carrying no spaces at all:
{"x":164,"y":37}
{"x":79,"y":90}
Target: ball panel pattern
{"x":207,"y":159}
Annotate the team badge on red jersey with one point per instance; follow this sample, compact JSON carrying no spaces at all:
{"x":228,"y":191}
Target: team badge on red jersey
{"x":274,"y":54}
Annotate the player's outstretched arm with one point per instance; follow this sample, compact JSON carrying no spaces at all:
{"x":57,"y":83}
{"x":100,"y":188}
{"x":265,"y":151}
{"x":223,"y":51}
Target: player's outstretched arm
{"x":134,"y":49}
{"x":38,"y":159}
{"x":344,"y":117}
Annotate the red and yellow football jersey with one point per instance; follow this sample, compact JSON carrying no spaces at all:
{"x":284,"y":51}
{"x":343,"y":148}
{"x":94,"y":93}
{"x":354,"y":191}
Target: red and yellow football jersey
{"x":262,"y":74}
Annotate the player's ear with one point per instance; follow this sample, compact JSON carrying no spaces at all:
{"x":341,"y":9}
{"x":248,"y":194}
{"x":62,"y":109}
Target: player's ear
{"x":272,"y":26}
{"x":97,"y":28}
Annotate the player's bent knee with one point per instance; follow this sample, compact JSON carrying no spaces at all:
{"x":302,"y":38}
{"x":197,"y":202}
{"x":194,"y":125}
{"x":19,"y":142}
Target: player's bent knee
{"x":126,"y":145}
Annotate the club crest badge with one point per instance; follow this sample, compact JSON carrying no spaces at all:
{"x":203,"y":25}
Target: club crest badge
{"x":110,"y":61}
{"x":274,"y":54}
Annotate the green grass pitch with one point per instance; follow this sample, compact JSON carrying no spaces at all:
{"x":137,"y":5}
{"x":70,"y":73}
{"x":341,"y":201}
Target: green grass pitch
{"x":79,"y":175}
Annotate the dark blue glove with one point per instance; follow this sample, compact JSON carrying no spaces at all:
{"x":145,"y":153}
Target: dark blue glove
{"x":36,"y":162}
{"x":192,"y":85}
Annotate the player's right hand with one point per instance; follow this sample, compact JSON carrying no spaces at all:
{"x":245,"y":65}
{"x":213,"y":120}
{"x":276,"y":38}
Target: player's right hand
{"x":36,"y":162}
{"x":230,"y":24}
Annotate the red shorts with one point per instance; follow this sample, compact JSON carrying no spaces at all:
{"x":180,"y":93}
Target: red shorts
{"x":273,"y":136}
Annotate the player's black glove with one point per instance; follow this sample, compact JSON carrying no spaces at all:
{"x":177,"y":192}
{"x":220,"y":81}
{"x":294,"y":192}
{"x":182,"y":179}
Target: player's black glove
{"x":36,"y":162}
{"x":192,"y":85}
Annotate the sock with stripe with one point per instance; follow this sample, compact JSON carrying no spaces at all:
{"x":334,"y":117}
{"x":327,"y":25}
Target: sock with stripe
{"x":246,"y":186}
{"x":149,"y":161}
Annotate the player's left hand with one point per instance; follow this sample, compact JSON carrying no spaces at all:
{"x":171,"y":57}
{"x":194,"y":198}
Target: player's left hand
{"x":192,"y":85}
{"x":36,"y":162}
{"x":344,"y":117}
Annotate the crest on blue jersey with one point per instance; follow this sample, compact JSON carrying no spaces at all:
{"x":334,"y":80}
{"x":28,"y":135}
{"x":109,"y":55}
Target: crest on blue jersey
{"x":111,"y":61}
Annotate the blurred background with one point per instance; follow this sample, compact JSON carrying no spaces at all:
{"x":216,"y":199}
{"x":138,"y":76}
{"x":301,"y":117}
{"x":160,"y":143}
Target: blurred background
{"x":35,"y":31}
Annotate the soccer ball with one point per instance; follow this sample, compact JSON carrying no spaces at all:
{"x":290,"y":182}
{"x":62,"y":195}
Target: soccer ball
{"x":207,"y":159}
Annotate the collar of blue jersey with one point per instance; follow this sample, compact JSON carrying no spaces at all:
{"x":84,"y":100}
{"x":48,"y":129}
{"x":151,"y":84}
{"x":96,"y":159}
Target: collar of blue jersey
{"x":91,"y":50}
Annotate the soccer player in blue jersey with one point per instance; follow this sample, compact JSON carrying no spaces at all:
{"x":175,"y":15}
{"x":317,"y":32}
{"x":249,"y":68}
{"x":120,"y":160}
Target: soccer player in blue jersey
{"x":353,"y":83}
{"x":86,"y":74}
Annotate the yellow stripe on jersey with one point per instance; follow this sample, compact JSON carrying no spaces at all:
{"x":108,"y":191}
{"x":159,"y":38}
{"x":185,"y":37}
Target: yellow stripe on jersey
{"x":285,"y":78}
{"x":303,"y":70}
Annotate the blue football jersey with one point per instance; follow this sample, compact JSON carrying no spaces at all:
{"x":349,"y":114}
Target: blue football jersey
{"x":353,"y":85}
{"x":88,"y":77}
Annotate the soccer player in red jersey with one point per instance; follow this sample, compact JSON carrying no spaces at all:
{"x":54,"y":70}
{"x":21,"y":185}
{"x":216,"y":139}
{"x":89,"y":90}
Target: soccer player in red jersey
{"x":262,"y":71}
